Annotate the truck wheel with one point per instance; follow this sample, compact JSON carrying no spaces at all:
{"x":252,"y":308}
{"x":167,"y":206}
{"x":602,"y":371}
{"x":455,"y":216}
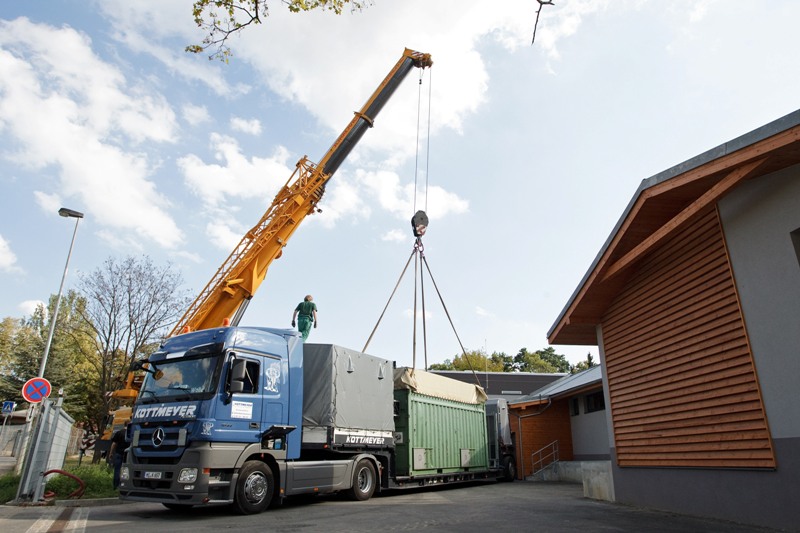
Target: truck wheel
{"x":364,"y":481}
{"x":254,"y":489}
{"x":509,"y":468}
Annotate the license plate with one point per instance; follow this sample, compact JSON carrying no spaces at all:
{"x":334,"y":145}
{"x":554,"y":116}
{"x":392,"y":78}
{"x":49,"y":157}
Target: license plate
{"x":152,"y":475}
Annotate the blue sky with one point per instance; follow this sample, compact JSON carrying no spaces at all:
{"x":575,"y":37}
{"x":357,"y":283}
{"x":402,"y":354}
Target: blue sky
{"x":533,"y":153}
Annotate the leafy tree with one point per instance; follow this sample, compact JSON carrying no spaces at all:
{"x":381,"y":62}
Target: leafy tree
{"x":21,"y":348}
{"x":22,"y":344}
{"x":584,"y":365}
{"x":447,"y":365}
{"x":526,"y":361}
{"x":68,"y":368}
{"x":545,"y":361}
{"x":223,"y":18}
{"x":559,"y":361}
{"x":505,"y":361}
{"x":130,"y":305}
{"x":476,"y":360}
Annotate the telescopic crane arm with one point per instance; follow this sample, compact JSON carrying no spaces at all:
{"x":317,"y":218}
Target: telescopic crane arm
{"x":225,"y":298}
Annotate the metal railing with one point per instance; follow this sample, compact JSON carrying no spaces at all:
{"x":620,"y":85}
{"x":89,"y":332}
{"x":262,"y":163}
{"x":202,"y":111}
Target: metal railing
{"x":544,"y":457}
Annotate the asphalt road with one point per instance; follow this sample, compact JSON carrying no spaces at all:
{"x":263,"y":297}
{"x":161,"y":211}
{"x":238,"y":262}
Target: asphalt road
{"x":496,"y":508}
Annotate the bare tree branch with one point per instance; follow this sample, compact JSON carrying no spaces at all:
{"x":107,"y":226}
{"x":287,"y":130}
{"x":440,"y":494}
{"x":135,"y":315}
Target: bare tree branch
{"x":223,"y":18}
{"x":542,"y":3}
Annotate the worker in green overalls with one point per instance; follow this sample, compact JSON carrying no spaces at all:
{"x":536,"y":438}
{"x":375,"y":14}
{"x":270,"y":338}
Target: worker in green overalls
{"x":306,"y":314}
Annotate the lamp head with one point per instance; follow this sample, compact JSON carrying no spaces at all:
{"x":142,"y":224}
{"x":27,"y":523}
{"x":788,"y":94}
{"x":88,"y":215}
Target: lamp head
{"x":64,"y":212}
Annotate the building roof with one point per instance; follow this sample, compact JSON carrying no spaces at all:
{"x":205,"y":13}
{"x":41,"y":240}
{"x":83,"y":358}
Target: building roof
{"x":568,"y":385}
{"x":508,"y":385}
{"x":663,"y":204}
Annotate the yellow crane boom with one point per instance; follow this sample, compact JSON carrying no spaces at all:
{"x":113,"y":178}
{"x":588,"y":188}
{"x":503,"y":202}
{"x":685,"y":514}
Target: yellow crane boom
{"x":225,"y":297}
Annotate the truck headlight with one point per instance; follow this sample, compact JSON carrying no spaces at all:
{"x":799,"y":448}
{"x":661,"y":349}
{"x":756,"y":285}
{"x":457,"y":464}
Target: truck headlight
{"x":124,"y":474}
{"x":187,"y":475}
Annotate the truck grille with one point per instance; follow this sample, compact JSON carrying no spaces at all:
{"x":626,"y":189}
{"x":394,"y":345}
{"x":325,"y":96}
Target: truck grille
{"x":161,"y":444}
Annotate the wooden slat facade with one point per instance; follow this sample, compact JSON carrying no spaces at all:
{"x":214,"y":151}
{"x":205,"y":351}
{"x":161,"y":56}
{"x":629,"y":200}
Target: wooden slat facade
{"x":681,"y":379}
{"x":535,"y":432}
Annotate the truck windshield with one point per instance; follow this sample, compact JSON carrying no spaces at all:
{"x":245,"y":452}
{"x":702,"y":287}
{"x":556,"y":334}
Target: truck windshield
{"x":180,"y":379}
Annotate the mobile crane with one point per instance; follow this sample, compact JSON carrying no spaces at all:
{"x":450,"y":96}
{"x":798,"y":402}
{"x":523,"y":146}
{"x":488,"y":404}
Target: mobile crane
{"x":245,"y":416}
{"x":224,"y":299}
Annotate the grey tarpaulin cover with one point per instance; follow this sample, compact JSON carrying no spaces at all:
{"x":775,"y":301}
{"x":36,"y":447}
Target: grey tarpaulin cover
{"x":346,"y":389}
{"x":437,"y":386}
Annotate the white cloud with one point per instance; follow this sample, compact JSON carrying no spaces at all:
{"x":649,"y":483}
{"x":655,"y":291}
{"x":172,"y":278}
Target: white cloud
{"x":8,"y":260}
{"x":409,"y":313}
{"x":342,"y":199}
{"x":459,"y":75}
{"x":235,"y":176}
{"x":561,"y":21}
{"x":120,"y":241}
{"x":189,"y":256}
{"x":143,"y":25}
{"x":28,"y":307}
{"x":458,"y":83}
{"x":51,"y":76}
{"x":699,"y":9}
{"x":394,"y":235}
{"x":252,"y":126}
{"x":222,"y":235}
{"x":480,"y":311}
{"x":50,"y":203}
{"x":399,"y":199}
{"x":195,"y":114}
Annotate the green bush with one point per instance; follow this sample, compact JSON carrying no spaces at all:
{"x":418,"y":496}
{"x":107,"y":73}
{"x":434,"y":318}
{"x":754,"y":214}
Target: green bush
{"x":98,"y":480}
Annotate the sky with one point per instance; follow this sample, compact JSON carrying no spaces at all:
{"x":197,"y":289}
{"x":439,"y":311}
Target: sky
{"x":524,"y":156}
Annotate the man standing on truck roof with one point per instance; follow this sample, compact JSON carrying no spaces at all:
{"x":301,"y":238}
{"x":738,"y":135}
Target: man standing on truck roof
{"x":307,"y":311}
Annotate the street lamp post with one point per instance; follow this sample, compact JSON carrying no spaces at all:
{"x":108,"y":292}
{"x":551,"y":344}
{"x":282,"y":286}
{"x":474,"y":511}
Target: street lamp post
{"x":77,"y":215}
{"x":30,"y":484}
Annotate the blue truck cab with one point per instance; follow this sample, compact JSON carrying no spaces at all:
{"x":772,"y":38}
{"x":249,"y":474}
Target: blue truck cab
{"x":217,"y":417}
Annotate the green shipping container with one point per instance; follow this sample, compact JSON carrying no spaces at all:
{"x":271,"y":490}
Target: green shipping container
{"x":438,"y":435}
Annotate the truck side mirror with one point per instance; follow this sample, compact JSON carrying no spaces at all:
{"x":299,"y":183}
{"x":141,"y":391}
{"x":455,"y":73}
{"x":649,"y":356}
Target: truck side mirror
{"x":237,"y":376}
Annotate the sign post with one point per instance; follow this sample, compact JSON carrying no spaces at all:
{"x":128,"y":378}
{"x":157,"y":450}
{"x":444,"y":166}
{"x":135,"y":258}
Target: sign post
{"x":35,"y":391}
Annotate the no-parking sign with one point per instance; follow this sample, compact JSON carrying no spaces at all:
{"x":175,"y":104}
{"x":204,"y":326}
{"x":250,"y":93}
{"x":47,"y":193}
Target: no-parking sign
{"x":36,"y":389}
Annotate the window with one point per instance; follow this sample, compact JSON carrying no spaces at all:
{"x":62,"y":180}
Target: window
{"x":574,"y":406}
{"x":796,"y":242}
{"x":251,"y":377}
{"x":595,"y":402}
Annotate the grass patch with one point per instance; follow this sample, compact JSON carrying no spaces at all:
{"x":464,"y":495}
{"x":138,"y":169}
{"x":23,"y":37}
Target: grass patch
{"x":8,"y":487}
{"x":98,"y":480}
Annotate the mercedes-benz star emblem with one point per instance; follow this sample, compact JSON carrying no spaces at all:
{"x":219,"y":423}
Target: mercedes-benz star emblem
{"x":158,"y":437}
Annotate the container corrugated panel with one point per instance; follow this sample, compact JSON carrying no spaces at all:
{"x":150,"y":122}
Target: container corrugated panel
{"x":436,"y":436}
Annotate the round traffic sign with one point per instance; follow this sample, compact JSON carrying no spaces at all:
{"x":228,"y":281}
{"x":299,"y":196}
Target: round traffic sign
{"x":36,"y":389}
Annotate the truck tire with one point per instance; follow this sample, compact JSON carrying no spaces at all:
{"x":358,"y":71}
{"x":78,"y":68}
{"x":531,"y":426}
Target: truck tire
{"x":364,"y":481}
{"x":509,"y":468}
{"x":254,"y":489}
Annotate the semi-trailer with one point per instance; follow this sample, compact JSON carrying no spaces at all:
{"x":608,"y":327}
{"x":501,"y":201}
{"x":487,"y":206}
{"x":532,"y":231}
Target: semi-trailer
{"x":246,"y":416}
